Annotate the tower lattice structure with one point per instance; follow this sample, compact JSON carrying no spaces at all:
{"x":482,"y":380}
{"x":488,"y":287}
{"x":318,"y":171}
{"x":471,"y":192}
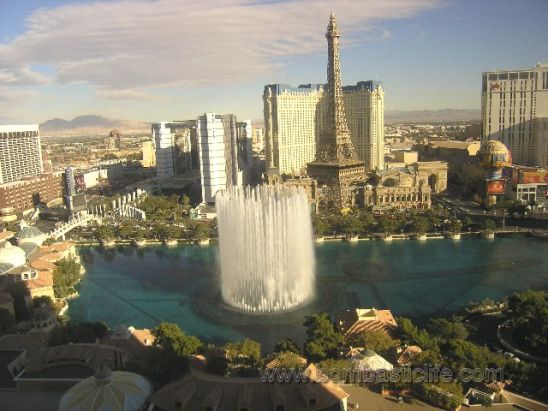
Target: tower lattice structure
{"x":336,"y":167}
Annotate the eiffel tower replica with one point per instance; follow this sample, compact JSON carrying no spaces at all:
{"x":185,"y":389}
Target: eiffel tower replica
{"x":336,"y":166}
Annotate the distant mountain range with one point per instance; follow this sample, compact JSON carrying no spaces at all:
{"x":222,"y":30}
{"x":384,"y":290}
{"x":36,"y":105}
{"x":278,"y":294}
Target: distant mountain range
{"x":95,"y":125}
{"x":90,"y":124}
{"x":424,"y":116}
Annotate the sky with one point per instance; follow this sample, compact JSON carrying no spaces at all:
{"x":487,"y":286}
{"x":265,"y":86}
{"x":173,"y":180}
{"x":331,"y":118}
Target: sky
{"x":155,"y":60}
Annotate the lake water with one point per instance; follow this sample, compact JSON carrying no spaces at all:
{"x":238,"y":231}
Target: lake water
{"x":417,"y":279}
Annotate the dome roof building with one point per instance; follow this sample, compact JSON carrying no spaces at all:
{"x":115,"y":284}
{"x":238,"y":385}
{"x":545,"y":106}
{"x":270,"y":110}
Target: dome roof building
{"x":29,"y":234}
{"x":369,"y":360}
{"x":494,"y":155}
{"x":11,"y":256}
{"x":107,"y":391}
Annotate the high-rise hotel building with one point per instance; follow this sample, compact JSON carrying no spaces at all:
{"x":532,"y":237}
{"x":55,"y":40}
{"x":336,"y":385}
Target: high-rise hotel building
{"x":514,"y":108}
{"x":20,"y":153}
{"x":173,"y":142}
{"x":224,"y":146}
{"x":294,"y":118}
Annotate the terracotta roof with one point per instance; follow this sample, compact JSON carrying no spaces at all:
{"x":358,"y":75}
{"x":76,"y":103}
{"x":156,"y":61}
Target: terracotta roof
{"x":362,"y":320}
{"x":52,"y":257}
{"x":42,"y":265}
{"x":198,"y":390}
{"x":406,"y":355}
{"x":89,"y":355}
{"x":44,"y":279}
{"x":137,"y":340}
{"x":60,"y":248}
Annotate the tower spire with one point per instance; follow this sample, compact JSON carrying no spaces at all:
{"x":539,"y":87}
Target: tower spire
{"x":336,"y":167}
{"x":335,"y":144}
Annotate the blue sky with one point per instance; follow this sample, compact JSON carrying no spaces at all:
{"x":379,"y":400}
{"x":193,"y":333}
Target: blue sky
{"x":175,"y":59}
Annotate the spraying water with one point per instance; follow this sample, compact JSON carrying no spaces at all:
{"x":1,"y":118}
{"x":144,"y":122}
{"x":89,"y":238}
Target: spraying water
{"x":267,"y":256}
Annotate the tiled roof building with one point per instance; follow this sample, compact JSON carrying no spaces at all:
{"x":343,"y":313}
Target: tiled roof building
{"x":352,"y":322}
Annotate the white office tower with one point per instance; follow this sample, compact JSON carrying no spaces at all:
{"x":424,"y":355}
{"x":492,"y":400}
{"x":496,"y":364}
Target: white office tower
{"x":173,"y":141}
{"x":211,"y":150}
{"x":258,"y":140}
{"x":514,"y":110}
{"x":295,"y":116}
{"x":245,"y":140}
{"x":20,"y":153}
{"x":164,"y":141}
{"x":364,"y":106}
{"x":245,"y":150}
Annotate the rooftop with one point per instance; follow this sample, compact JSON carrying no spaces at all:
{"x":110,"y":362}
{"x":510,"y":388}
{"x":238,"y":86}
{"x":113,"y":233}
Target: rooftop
{"x":88,"y":355}
{"x":366,"y":319}
{"x":198,"y":390}
{"x":463,"y":145}
{"x":107,"y":391}
{"x":17,"y":128}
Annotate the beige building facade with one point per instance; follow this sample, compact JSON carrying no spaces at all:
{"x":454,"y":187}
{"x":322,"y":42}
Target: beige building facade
{"x":149,"y":154}
{"x":400,"y":189}
{"x":515,"y":111}
{"x":294,"y":119}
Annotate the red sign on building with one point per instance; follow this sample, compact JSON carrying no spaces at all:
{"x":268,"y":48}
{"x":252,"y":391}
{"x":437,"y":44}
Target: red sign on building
{"x":495,"y":186}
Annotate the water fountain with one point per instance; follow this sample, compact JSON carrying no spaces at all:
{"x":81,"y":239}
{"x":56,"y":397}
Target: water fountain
{"x":267,"y":256}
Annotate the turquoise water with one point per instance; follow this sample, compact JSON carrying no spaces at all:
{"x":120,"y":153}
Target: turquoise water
{"x":142,"y":287}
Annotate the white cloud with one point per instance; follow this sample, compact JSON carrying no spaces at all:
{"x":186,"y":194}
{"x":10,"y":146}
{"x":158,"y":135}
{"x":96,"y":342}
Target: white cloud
{"x":121,"y":46}
{"x":129,"y":94}
{"x":10,"y":99}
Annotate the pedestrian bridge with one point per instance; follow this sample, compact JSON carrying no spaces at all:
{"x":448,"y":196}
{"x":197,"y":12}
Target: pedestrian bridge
{"x":78,"y":221}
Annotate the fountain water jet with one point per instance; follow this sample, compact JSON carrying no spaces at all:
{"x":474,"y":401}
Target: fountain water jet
{"x":267,"y":256}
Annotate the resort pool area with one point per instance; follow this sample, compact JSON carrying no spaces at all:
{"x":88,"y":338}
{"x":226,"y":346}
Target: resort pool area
{"x":417,"y":279}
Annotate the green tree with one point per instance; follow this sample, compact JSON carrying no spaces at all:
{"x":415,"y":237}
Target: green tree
{"x":217,"y":365}
{"x":528,"y":311}
{"x":447,"y":330}
{"x":321,"y":226}
{"x":104,"y":232}
{"x":65,"y":277}
{"x":367,"y":220}
{"x":172,"y":339}
{"x":455,"y":226}
{"x":387,"y":224}
{"x":420,"y":225}
{"x":86,"y":332}
{"x":467,"y":221}
{"x":323,"y":340}
{"x":49,"y":241}
{"x":159,"y":366}
{"x":411,"y":334}
{"x":185,"y":202}
{"x":445,"y":395}
{"x":243,"y":352}
{"x":489,"y":225}
{"x":160,"y":231}
{"x":126,"y":230}
{"x":376,"y":340}
{"x":352,"y":224}
{"x":287,"y":345}
{"x":109,"y":156}
{"x":289,"y":360}
{"x":212,"y":228}
{"x":199,"y":231}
